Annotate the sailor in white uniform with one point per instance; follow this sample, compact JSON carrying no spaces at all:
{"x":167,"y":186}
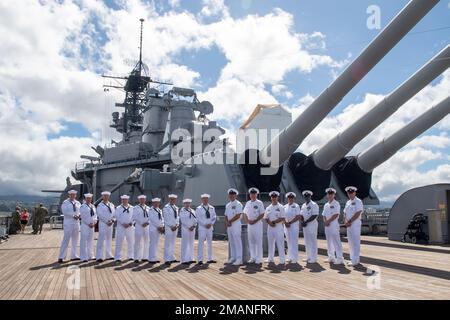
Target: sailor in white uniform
{"x":156,"y":229}
{"x":188,"y":222}
{"x":88,"y":214}
{"x":171,"y":223}
{"x":70,"y":208}
{"x":330,"y":213}
{"x":125,"y":229}
{"x":275,"y":217}
{"x":309,"y":213}
{"x":352,"y":211}
{"x":292,"y":227}
{"x":233,"y":213}
{"x":206,"y":217}
{"x":254,"y":212}
{"x":141,"y":218}
{"x":106,"y":217}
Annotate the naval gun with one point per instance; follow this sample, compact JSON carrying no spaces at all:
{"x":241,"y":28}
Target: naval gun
{"x":357,"y":170}
{"x":313,"y":172}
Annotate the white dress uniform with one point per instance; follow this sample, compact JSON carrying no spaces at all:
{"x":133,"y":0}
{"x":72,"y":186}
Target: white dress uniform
{"x":124,"y":215}
{"x":205,"y":215}
{"x":354,"y":231}
{"x":71,"y":226}
{"x":156,"y":221}
{"x":310,"y":231}
{"x":232,"y":209}
{"x":88,"y":215}
{"x":332,"y":233}
{"x":275,"y":235}
{"x":105,"y":212}
{"x":292,"y":211}
{"x":141,"y":215}
{"x":252,"y":210}
{"x":171,"y":219}
{"x":187,"y":220}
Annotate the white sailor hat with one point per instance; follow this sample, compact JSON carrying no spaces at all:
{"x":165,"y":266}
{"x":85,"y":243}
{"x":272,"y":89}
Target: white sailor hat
{"x":172,"y":196}
{"x":232,"y":190}
{"x":72,"y":191}
{"x":142,"y":196}
{"x":291,"y":194}
{"x":253,"y":190}
{"x":274,"y":193}
{"x":88,"y":195}
{"x":124,"y":197}
{"x":307,"y":192}
{"x":156,"y":200}
{"x":106,"y":193}
{"x":351,"y":189}
{"x":205,"y":195}
{"x":330,"y":190}
{"x":187,"y":200}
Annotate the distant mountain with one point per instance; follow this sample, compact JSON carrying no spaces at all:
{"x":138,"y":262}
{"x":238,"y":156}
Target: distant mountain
{"x":9,"y":202}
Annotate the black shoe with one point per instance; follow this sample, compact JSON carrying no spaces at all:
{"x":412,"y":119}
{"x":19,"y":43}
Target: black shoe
{"x":60,"y":261}
{"x":212,"y":261}
{"x":130,"y":259}
{"x":200,"y":263}
{"x":193,"y":261}
{"x":186,"y":263}
{"x":99,"y":260}
{"x":167,"y":263}
{"x":75,"y":259}
{"x":84,"y":261}
{"x":174,"y":261}
{"x":145,"y":260}
{"x":110,"y":259}
{"x":136,"y":261}
{"x":118,"y":261}
{"x":153,"y":262}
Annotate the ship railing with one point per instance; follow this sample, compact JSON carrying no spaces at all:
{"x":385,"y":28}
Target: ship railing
{"x":56,"y":222}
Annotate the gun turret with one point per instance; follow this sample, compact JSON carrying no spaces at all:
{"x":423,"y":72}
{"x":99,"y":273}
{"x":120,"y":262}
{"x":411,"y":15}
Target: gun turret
{"x":358,"y":170}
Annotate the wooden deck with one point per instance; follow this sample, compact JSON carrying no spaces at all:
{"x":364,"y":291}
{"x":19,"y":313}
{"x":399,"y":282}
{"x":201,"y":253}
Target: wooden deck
{"x":28,"y":271}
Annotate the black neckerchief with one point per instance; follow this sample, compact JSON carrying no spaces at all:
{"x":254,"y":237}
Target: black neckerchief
{"x":159,"y":212}
{"x":107,"y":205}
{"x":208,"y":215}
{"x":73,"y":206}
{"x":144,"y":210}
{"x":125,"y":209}
{"x":191,"y":213}
{"x":174,"y":210}
{"x":92,"y":209}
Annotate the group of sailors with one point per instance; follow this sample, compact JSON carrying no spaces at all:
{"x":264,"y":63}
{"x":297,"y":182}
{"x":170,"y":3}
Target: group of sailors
{"x":141,"y":227}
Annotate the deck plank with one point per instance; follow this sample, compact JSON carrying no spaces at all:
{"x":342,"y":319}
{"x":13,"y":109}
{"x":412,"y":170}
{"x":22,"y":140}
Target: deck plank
{"x":28,"y":270}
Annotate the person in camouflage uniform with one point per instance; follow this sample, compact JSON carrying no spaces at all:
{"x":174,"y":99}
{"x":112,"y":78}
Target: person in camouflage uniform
{"x":39,"y":217}
{"x":15,"y":221}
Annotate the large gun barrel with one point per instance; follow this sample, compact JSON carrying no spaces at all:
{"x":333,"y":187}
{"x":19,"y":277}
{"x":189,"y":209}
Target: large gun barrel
{"x":340,"y":145}
{"x":382,"y":151}
{"x":357,"y":171}
{"x":291,"y":137}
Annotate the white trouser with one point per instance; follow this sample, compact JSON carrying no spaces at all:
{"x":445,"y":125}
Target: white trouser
{"x":235,"y":243}
{"x":187,"y":245}
{"x":292,"y":241}
{"x":354,"y":240}
{"x":154,"y":241}
{"x":170,"y":238}
{"x":104,"y":241}
{"x":275,"y":235}
{"x":255,"y":242}
{"x":86,"y":242}
{"x":71,"y":233}
{"x":334,"y":245}
{"x":121,"y":234}
{"x":205,"y":234}
{"x":141,"y":234}
{"x":310,"y":234}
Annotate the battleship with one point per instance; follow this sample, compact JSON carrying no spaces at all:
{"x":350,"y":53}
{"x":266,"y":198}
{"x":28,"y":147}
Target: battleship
{"x":151,"y":118}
